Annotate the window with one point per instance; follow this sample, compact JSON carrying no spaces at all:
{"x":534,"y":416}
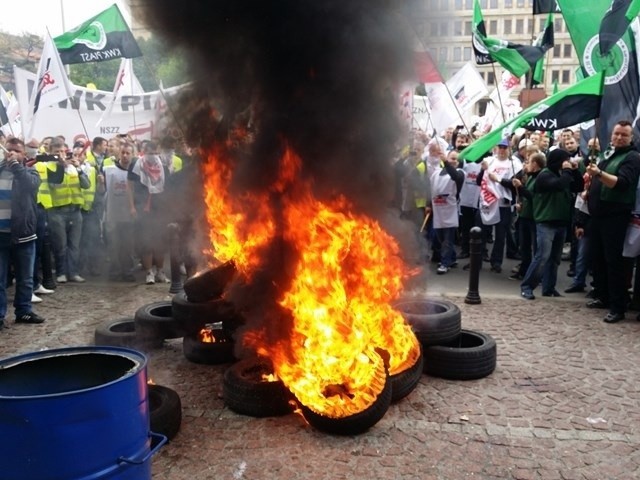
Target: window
{"x":467,"y":28}
{"x":468,"y":4}
{"x":457,"y":28}
{"x":458,"y":4}
{"x":445,"y":5}
{"x":557,"y":25}
{"x":507,"y":26}
{"x":566,"y":76}
{"x":434,"y":53}
{"x":520,"y":3}
{"x":567,"y":50}
{"x":520,"y":26}
{"x":508,"y":3}
{"x":556,"y":51}
{"x":444,"y":29}
{"x":466,"y":54}
{"x":493,"y":27}
{"x":491,"y":79}
{"x":433,"y":28}
{"x":493,"y":3}
{"x":555,"y":76}
{"x":542,"y":22}
{"x":457,"y":54}
{"x":483,"y":4}
{"x":443,"y":54}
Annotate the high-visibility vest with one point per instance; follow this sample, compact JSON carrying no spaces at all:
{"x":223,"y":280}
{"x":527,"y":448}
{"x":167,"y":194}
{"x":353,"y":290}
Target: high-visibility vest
{"x":44,"y":192}
{"x":109,"y":162}
{"x":421,"y":201}
{"x":68,"y":192}
{"x":177,"y":163}
{"x":89,"y":194}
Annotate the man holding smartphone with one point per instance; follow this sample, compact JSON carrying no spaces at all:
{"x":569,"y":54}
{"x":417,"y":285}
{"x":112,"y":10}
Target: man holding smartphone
{"x":18,"y":220}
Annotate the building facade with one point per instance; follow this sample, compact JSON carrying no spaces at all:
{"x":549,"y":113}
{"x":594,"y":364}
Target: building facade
{"x":444,"y":26}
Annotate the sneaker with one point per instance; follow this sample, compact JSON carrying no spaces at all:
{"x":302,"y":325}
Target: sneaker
{"x":150,"y":279}
{"x":574,"y":289}
{"x":613,"y":317}
{"x":496,"y":268}
{"x":61,"y":279}
{"x":552,"y":293}
{"x":29,"y":318}
{"x":516,"y":276}
{"x":528,"y":294}
{"x":43,"y":291}
{"x":161,"y":277}
{"x":77,"y":279}
{"x":35,"y":298}
{"x":442,"y":270}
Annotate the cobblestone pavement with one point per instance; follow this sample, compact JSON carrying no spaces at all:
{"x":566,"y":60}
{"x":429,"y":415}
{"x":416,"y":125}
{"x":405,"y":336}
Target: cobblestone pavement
{"x":563,"y":403}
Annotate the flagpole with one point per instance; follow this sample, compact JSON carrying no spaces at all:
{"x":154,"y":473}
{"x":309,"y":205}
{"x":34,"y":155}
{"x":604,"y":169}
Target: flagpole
{"x":495,"y":76}
{"x":456,"y":106}
{"x":133,"y":107}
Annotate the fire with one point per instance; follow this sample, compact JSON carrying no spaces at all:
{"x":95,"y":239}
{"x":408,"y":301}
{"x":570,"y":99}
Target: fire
{"x":208,"y":335}
{"x":347,"y":274}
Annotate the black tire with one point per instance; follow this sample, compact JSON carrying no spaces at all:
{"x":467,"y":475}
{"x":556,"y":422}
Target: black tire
{"x":472,"y":355}
{"x":403,"y":383}
{"x":209,"y":284}
{"x":121,"y":332}
{"x":244,"y":391}
{"x":165,"y":410}
{"x":208,"y":353}
{"x":353,"y":424}
{"x":156,"y":320}
{"x":193,"y":316}
{"x":435,"y":322}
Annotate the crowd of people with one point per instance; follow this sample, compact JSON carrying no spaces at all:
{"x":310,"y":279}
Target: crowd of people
{"x":94,"y":208}
{"x":532,"y":195}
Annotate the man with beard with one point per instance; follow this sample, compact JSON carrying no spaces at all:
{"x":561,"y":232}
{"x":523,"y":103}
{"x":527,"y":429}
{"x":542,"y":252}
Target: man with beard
{"x":611,"y":197}
{"x":552,"y":204}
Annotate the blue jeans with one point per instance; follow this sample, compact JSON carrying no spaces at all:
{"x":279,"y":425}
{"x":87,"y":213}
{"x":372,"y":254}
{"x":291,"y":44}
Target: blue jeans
{"x":446,"y":237}
{"x":65,"y":228}
{"x":22,"y":256}
{"x":545,"y":263}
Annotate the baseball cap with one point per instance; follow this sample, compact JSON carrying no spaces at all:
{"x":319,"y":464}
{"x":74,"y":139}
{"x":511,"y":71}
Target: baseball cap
{"x":525,"y":142}
{"x":504,"y":142}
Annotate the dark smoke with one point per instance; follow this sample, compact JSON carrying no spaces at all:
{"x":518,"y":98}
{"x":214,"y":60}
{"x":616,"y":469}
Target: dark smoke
{"x":320,"y":76}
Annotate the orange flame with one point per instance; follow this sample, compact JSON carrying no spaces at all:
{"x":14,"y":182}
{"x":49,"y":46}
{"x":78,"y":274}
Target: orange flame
{"x":208,"y":335}
{"x":347,"y":274}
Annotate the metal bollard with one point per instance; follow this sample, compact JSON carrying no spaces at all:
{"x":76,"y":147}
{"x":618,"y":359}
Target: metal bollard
{"x":175,"y":258}
{"x":475,"y":264}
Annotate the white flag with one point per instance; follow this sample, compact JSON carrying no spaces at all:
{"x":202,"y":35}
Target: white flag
{"x":52,"y":84}
{"x":126,"y":84}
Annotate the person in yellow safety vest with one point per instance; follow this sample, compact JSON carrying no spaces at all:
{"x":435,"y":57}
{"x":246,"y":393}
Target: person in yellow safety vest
{"x":169,"y":159}
{"x":91,"y":251}
{"x":61,"y":194}
{"x":98,"y":151}
{"x":113,"y":151}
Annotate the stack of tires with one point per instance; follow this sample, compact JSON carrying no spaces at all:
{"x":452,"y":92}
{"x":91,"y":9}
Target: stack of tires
{"x":205,"y":328}
{"x":449,"y":351}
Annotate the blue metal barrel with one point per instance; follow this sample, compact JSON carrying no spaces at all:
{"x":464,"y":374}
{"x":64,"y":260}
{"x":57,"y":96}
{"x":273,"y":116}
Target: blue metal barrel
{"x":78,"y":413}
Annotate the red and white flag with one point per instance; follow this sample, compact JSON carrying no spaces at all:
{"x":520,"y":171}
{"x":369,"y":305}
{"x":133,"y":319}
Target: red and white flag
{"x":126,"y":84}
{"x":52,"y":84}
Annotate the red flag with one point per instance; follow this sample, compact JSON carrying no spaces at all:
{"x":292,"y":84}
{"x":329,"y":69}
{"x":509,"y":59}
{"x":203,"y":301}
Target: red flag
{"x":426,"y":69}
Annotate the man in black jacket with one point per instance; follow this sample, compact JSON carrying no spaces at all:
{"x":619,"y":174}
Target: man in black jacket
{"x":18,"y":220}
{"x":552,"y":204}
{"x":611,"y":198}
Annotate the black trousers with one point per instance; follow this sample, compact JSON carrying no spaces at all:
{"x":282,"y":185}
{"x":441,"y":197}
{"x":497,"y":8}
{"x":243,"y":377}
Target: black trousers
{"x":606,"y":239}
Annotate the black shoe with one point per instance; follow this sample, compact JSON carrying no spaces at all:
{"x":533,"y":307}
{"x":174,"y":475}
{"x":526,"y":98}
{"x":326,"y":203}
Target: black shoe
{"x":613,"y":317}
{"x":552,"y":293}
{"x":514,"y":256}
{"x":574,"y":289}
{"x":516,"y":276}
{"x":485,"y":258}
{"x":496,"y":268}
{"x":590,"y":294}
{"x":463,"y":255}
{"x":597,"y":303}
{"x":571,"y":273}
{"x":466,"y":266}
{"x":29,"y":318}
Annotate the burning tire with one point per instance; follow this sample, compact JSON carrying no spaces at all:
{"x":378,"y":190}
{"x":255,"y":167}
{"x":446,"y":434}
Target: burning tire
{"x":157,"y":319}
{"x":403,"y":383}
{"x":209,"y":284}
{"x":353,"y":424}
{"x":435,"y":322}
{"x":472,"y":355}
{"x":193,"y":316}
{"x":122,"y":332}
{"x":165,"y":410}
{"x":246,"y":391}
{"x":219,"y":348}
